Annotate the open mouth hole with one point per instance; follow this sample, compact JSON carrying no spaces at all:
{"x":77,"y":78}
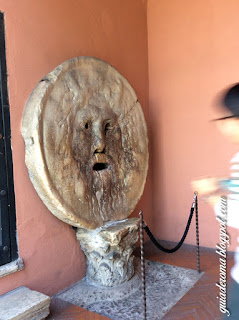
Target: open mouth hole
{"x":100,"y":166}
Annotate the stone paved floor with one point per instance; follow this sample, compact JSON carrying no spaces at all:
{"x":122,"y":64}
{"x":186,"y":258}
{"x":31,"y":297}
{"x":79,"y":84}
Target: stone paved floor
{"x":199,"y":303}
{"x":165,"y":284}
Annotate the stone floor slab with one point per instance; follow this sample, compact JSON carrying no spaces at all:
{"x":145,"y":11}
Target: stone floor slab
{"x":165,"y":286}
{"x":24,"y":304}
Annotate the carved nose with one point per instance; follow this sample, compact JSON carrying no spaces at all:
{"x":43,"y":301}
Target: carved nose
{"x":99,"y":138}
{"x":99,"y":145}
{"x":99,"y":149}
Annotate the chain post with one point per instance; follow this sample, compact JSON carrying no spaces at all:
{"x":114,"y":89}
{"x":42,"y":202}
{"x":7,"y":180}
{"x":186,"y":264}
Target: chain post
{"x":197,"y":232}
{"x":142,"y":263}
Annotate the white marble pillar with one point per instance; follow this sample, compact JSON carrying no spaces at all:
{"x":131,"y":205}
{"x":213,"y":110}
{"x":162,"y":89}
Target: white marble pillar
{"x":108,"y":251}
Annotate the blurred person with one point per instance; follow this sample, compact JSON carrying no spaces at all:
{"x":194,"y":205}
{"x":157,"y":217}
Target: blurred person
{"x":210,"y":189}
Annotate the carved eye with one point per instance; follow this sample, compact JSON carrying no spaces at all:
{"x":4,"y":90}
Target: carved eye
{"x":87,"y":125}
{"x":108,"y":127}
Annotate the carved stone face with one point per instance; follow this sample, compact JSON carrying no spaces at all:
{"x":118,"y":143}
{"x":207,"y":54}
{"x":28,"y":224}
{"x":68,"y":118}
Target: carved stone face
{"x":97,"y":149}
{"x":86,"y":143}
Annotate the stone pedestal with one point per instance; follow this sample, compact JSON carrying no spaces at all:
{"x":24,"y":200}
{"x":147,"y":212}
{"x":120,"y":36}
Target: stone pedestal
{"x":108,"y":251}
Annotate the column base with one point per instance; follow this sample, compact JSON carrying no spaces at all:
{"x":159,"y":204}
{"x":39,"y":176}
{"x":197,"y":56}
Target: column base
{"x":108,"y":251}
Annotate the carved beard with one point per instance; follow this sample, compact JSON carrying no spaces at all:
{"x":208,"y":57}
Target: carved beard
{"x":103,"y":188}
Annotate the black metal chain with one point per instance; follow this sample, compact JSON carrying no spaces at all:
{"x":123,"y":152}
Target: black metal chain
{"x":144,"y":226}
{"x":159,"y":246}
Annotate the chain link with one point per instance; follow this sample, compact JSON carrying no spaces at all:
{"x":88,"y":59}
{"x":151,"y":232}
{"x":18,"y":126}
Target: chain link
{"x":142,"y":263}
{"x":197,"y":234}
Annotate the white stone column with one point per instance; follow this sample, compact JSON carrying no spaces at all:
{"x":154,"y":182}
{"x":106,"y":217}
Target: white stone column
{"x":108,"y":251}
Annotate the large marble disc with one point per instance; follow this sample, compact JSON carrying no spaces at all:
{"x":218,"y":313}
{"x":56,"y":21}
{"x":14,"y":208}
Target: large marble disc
{"x":86,"y":143}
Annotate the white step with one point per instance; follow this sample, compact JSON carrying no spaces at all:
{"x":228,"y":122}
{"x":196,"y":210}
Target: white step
{"x":24,"y":304}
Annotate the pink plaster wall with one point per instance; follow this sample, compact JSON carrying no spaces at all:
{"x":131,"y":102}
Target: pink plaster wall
{"x":193,"y":51}
{"x":41,"y":34}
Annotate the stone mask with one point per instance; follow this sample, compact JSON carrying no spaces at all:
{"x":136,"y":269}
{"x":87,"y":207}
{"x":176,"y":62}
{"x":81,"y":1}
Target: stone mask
{"x":86,"y":143}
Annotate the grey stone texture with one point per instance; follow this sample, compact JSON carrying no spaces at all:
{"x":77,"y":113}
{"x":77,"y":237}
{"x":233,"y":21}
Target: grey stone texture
{"x":108,"y":251}
{"x":165,"y":286}
{"x":24,"y":304}
{"x":11,"y":267}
